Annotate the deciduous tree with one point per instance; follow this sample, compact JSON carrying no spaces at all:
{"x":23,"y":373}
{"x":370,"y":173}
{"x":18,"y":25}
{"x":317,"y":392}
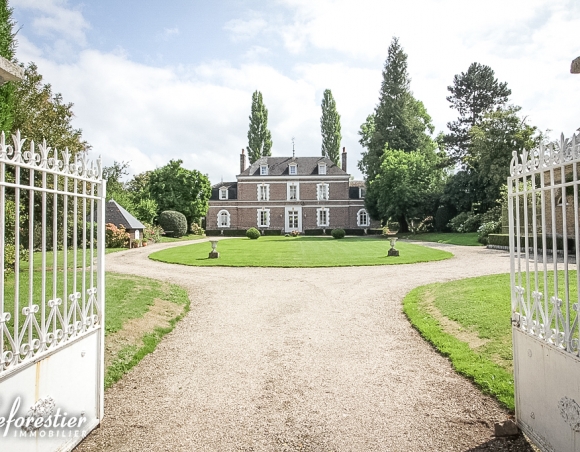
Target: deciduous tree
{"x":173,"y":187}
{"x":493,"y":140}
{"x":406,"y":186}
{"x":7,"y":50}
{"x":259,"y":137}
{"x":330,"y":128}
{"x":39,"y":114}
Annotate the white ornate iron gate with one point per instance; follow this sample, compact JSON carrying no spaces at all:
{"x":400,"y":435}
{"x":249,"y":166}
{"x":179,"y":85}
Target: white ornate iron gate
{"x":544,"y":227}
{"x":51,"y":297}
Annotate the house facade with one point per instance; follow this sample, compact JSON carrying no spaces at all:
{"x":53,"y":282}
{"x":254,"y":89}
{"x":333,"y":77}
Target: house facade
{"x":289,"y":194}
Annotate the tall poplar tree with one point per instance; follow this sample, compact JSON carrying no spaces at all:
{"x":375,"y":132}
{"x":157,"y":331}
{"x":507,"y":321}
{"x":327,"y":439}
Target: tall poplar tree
{"x":7,"y":50}
{"x":473,"y":94}
{"x":330,"y":128}
{"x":259,"y":137}
{"x":399,"y":120}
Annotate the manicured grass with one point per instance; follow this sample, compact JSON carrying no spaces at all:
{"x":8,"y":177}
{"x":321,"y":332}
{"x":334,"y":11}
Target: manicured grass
{"x":482,"y":308}
{"x":131,"y":303}
{"x":165,"y":239}
{"x":299,"y":252}
{"x":126,"y":298}
{"x":452,"y":238}
{"x":37,"y":258}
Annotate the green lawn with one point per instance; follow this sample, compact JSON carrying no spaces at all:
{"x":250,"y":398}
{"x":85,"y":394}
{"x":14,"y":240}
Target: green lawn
{"x":126,"y":298}
{"x":299,"y":252}
{"x":165,"y":239}
{"x":452,"y":238}
{"x":482,"y":308}
{"x":37,"y":258}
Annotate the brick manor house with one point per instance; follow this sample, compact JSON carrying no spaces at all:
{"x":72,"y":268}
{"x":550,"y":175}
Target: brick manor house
{"x":285,"y":194}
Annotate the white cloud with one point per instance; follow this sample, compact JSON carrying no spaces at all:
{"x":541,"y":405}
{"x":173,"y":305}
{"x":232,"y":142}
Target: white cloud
{"x":199,"y":112}
{"x":246,"y":29}
{"x":56,"y":20}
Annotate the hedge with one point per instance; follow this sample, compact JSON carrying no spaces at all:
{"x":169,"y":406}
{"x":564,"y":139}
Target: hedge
{"x":504,"y":240}
{"x":316,"y":231}
{"x":355,"y":231}
{"x":273,"y":232}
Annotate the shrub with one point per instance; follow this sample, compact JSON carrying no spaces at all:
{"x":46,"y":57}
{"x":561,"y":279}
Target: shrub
{"x":253,"y":233}
{"x":465,"y":222}
{"x":295,"y":233}
{"x":10,"y":256}
{"x":196,"y":229}
{"x":338,"y":233}
{"x":393,"y":226}
{"x":442,"y":218}
{"x":116,"y":237}
{"x":173,"y":223}
{"x":152,"y":233}
{"x":491,"y":227}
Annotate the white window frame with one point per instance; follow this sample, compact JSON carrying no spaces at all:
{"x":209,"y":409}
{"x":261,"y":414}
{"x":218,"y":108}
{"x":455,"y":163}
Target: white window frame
{"x":223,"y":193}
{"x":293,"y":184}
{"x":358,"y":218}
{"x":219,"y":215}
{"x":319,"y":223}
{"x":361,"y":193}
{"x":293,"y":169}
{"x":267,"y":189}
{"x":263,"y":170}
{"x":259,"y":218}
{"x":322,"y":168}
{"x":321,"y":190}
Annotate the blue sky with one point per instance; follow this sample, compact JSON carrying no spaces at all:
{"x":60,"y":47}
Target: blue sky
{"x":157,"y":80}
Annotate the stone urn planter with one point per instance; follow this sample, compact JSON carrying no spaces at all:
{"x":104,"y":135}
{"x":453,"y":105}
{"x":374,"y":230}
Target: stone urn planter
{"x":214,"y":253}
{"x":393,"y":251}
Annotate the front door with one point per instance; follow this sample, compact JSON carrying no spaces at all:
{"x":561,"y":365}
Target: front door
{"x":293,"y":219}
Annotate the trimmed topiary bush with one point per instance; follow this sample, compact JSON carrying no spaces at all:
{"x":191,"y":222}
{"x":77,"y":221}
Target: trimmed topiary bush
{"x":338,"y":233}
{"x":253,"y":233}
{"x":173,"y":223}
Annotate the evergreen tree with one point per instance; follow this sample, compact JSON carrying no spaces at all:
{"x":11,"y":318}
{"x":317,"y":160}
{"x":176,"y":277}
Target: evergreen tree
{"x":7,"y":50}
{"x":473,"y":94}
{"x":330,"y":128}
{"x":399,"y":120}
{"x":259,"y":137}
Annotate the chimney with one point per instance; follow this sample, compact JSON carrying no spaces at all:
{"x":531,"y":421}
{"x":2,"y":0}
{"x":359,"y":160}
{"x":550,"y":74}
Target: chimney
{"x":242,"y":161}
{"x":344,"y":159}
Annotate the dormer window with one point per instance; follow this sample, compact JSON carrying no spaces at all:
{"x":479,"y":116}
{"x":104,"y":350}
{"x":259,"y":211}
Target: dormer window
{"x":224,"y":193}
{"x":263,"y":170}
{"x":293,"y":169}
{"x":322,"y":168}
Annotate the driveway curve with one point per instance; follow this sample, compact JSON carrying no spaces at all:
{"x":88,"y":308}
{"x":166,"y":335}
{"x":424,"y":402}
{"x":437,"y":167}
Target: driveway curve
{"x":319,"y":359}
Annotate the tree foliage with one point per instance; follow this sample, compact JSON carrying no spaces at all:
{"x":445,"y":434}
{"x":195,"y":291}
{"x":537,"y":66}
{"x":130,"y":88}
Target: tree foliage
{"x":173,"y":187}
{"x":7,"y":50}
{"x":259,"y":137}
{"x":399,"y":120}
{"x":330,"y":128}
{"x":407,"y":186}
{"x":39,"y":114}
{"x":493,"y":140}
{"x":473,"y":94}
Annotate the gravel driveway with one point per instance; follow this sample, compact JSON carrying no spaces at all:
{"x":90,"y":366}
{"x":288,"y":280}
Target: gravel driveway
{"x":299,"y":360}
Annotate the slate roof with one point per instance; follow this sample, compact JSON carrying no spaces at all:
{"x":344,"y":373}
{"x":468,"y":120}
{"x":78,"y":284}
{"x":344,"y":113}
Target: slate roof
{"x":307,"y":166}
{"x":115,"y":214}
{"x":232,"y":190}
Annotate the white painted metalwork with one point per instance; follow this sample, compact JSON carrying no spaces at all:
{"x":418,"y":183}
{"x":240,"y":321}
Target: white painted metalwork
{"x":543,"y":205}
{"x":544,"y":227}
{"x":50,"y":300}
